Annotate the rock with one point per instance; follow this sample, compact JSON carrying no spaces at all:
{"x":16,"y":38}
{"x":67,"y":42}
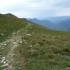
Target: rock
{"x":5,"y":44}
{"x":5,"y":65}
{"x":23,"y":37}
{"x":14,"y":42}
{"x":3,"y":59}
{"x":31,"y":46}
{"x":1,"y":34}
{"x":14,"y":33}
{"x":4,"y":62}
{"x":20,"y":42}
{"x":28,"y":34}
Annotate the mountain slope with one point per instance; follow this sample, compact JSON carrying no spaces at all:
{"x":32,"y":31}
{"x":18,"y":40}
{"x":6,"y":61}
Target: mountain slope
{"x":9,"y":24}
{"x":45,"y":23}
{"x":33,"y":47}
{"x":54,"y":23}
{"x":64,"y":25}
{"x":45,"y":49}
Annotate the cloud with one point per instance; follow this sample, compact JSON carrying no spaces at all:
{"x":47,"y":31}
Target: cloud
{"x":35,"y":8}
{"x":12,"y":2}
{"x":63,"y":12}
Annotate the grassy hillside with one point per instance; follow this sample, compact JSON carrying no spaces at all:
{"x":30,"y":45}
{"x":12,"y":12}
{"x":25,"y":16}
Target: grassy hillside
{"x":9,"y":24}
{"x":38,"y":48}
{"x":45,"y":49}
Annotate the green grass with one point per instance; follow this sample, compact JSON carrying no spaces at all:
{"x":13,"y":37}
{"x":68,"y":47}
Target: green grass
{"x":9,"y":24}
{"x":50,"y":49}
{"x":43,"y":50}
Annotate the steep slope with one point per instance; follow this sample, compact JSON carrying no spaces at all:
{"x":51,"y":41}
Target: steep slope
{"x":45,"y":49}
{"x":54,"y":23}
{"x":9,"y":24}
{"x":45,"y":23}
{"x":64,"y":26}
{"x":33,"y":47}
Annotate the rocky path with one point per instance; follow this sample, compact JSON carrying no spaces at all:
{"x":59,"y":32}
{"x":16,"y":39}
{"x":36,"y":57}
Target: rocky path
{"x":7,"y":60}
{"x":13,"y":42}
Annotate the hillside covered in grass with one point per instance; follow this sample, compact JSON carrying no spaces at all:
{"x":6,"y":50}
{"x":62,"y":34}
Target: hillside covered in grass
{"x":32,"y":47}
{"x":45,"y":49}
{"x":10,"y":24}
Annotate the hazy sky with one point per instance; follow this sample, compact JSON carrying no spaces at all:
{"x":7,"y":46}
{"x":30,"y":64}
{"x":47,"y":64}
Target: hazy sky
{"x":36,"y":8}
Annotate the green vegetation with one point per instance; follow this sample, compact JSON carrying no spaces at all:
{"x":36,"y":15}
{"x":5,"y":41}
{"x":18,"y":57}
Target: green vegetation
{"x":45,"y":49}
{"x":10,"y":24}
{"x":41,"y":49}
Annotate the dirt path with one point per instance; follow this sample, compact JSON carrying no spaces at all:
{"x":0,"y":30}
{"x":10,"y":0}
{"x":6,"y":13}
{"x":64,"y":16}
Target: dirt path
{"x":14,"y":42}
{"x":8,"y":59}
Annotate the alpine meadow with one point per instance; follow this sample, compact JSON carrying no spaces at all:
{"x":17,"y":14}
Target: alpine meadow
{"x":25,"y":45}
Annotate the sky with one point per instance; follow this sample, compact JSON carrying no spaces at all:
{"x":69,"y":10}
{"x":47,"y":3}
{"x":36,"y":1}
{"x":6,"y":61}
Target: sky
{"x":35,"y":8}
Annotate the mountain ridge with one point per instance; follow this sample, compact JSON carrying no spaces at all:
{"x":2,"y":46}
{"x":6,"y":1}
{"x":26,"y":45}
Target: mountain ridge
{"x":56,"y":24}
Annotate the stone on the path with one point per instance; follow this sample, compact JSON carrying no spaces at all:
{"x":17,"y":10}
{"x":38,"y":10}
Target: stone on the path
{"x":28,"y":34}
{"x":5,"y":44}
{"x":20,"y":42}
{"x":1,"y":34}
{"x":5,"y":65}
{"x":31,"y":46}
{"x":3,"y":59}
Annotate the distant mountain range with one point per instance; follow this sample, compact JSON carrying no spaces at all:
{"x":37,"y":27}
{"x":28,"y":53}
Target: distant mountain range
{"x":54,"y":23}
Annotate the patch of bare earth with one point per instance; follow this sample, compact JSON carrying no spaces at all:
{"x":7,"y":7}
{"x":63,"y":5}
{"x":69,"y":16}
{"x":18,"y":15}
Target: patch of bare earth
{"x":8,"y":60}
